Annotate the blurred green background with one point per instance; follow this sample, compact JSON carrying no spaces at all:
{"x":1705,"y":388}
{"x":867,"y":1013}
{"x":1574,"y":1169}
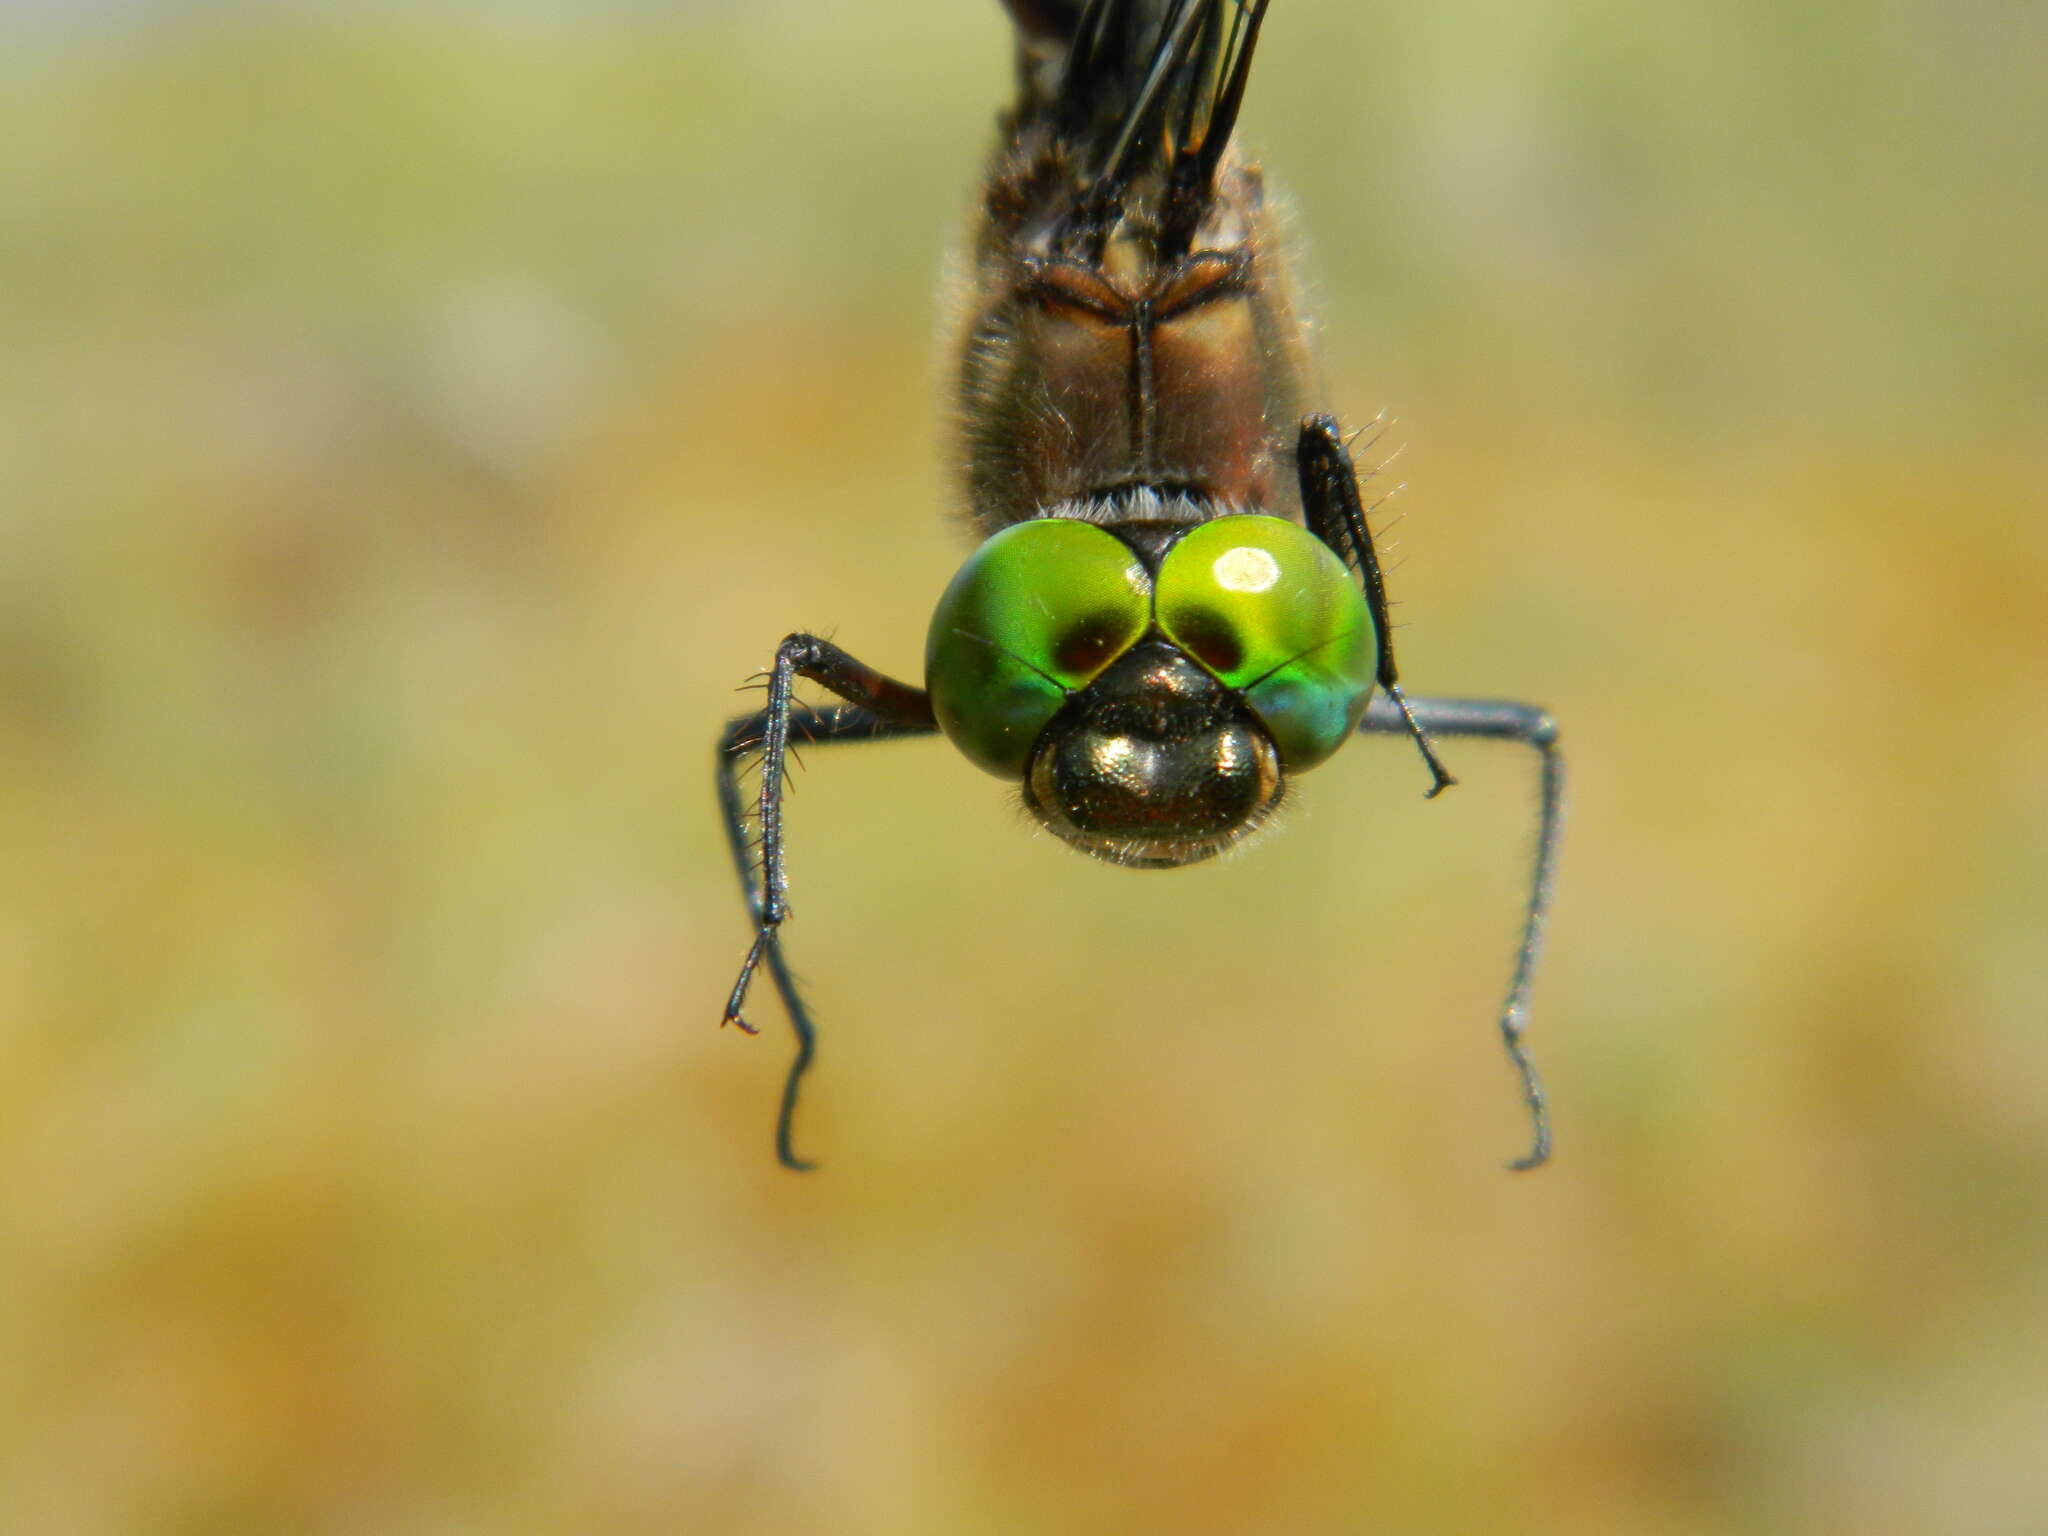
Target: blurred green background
{"x":414,"y":425}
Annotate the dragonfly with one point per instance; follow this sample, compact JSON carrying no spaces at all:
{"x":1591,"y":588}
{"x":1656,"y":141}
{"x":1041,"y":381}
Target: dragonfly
{"x":1176,"y":604}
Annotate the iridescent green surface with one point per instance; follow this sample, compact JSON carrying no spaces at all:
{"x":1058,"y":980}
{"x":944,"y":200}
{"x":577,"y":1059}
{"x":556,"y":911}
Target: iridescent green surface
{"x":1038,"y":611}
{"x":1270,"y":609}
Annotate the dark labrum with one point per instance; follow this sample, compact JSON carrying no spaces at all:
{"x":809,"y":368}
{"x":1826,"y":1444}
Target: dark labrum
{"x":1154,"y":764}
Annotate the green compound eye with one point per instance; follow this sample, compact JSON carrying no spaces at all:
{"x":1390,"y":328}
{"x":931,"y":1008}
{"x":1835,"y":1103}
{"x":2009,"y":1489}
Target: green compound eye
{"x":1269,"y":609}
{"x":1040,"y":609}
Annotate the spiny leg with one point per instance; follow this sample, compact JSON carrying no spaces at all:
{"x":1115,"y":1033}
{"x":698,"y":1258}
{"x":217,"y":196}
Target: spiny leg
{"x":1336,"y":515}
{"x":1533,"y":727}
{"x":881,"y":708}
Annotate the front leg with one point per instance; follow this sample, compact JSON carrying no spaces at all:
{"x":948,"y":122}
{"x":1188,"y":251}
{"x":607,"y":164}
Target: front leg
{"x":1336,"y":515}
{"x":881,"y":708}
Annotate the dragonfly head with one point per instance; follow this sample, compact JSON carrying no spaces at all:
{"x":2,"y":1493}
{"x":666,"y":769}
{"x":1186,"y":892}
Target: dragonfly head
{"x":1151,"y":696}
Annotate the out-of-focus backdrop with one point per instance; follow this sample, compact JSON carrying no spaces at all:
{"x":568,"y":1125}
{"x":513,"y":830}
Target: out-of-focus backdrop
{"x":415,"y":422}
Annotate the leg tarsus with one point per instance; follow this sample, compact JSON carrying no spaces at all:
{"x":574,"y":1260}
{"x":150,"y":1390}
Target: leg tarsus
{"x":792,"y":1082}
{"x":1443,"y":776}
{"x":736,"y":1003}
{"x":1532,"y":1095}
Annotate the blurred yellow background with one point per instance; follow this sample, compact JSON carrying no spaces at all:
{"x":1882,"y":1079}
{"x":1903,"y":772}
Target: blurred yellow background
{"x":414,"y":426}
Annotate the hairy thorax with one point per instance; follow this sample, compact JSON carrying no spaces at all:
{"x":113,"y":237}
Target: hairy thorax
{"x":1091,"y":371}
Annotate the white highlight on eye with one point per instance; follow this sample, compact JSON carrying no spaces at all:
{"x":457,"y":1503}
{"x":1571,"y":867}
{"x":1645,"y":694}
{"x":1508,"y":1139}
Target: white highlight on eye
{"x":1245,"y":569}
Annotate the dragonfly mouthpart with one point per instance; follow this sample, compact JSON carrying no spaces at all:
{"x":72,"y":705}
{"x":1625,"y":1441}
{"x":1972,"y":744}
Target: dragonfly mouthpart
{"x":1154,"y":765}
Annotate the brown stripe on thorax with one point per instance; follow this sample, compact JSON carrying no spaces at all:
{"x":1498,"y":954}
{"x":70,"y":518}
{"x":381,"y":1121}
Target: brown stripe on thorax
{"x":1156,"y":376}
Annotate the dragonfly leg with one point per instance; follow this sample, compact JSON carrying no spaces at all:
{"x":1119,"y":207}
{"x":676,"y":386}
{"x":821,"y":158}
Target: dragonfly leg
{"x":1336,"y":515}
{"x":879,"y":708}
{"x":1533,"y":727}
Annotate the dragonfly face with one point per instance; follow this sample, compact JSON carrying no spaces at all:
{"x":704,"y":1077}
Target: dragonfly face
{"x":1177,"y":605}
{"x":1154,"y":764}
{"x":1151,"y":684}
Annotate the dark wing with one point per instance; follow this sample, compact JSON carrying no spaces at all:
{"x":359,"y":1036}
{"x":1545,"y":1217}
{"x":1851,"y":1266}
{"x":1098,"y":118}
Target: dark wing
{"x":1143,"y":95}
